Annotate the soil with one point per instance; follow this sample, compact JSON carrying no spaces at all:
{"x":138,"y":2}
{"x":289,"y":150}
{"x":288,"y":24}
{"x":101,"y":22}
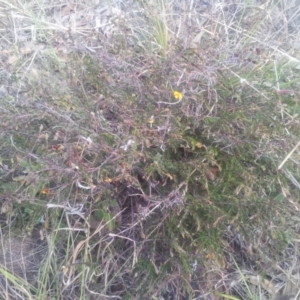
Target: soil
{"x":20,"y":256}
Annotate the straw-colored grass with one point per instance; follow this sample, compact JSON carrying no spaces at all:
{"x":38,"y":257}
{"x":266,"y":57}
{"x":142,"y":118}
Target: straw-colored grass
{"x":154,"y":145}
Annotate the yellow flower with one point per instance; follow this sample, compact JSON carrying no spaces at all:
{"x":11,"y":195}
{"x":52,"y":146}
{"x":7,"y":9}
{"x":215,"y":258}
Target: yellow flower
{"x":177,"y":95}
{"x":45,"y":191}
{"x":151,"y":121}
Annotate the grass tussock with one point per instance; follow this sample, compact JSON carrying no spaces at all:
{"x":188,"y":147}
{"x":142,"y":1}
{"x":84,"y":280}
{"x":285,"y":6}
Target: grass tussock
{"x":153,"y":146}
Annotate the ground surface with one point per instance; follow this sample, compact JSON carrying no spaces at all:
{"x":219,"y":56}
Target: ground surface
{"x":149,"y":149}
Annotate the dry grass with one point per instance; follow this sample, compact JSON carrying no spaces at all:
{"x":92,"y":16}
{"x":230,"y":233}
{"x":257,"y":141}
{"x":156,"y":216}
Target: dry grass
{"x":155,"y":142}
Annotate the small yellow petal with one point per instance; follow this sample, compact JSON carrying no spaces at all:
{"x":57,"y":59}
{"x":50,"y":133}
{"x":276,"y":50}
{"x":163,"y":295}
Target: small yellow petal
{"x":199,"y":145}
{"x":46,"y":191}
{"x":151,"y":120}
{"x":177,"y":95}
